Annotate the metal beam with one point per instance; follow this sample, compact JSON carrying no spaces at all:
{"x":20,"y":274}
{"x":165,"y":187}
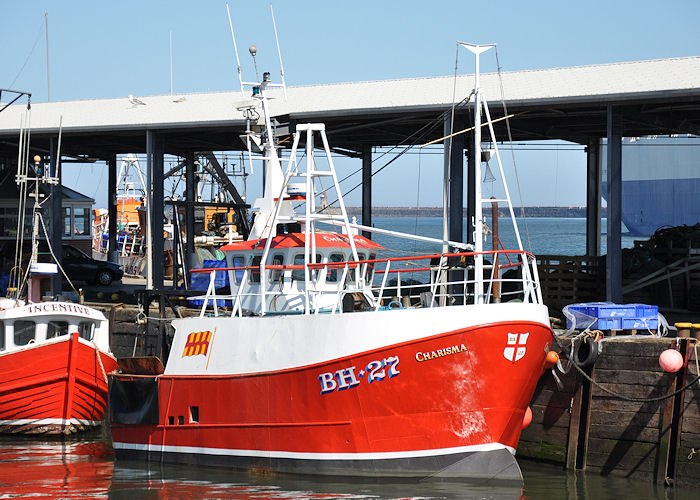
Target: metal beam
{"x":157,"y":214}
{"x":613,"y":274}
{"x":154,"y":196}
{"x":471,"y":189}
{"x":228,"y":185}
{"x":593,"y":193}
{"x":190,"y":253}
{"x":56,"y":226}
{"x":366,"y":188}
{"x":112,"y":208}
{"x":454,"y":159}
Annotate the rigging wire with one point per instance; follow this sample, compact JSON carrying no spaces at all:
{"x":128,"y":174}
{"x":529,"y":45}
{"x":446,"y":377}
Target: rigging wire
{"x":415,"y":138}
{"x":38,"y":36}
{"x":512,"y":151}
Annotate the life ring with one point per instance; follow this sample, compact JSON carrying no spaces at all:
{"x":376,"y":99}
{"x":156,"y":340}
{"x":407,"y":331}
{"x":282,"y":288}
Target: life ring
{"x":586,"y":352}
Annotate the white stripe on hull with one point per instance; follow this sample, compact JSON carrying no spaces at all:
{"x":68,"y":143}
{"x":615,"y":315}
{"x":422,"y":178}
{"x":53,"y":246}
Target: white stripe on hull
{"x":50,"y":421}
{"x":310,"y":456}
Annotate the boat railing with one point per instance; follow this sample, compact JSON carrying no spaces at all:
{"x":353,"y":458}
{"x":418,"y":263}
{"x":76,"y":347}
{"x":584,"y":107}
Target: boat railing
{"x":448,"y":279}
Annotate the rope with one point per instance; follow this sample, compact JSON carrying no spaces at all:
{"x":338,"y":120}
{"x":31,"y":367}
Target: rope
{"x":618,"y":395}
{"x":99,"y":360}
{"x":48,"y":243}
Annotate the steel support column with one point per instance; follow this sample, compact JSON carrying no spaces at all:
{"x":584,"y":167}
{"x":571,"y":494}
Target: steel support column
{"x":367,"y":189}
{"x":154,"y":195}
{"x":190,"y":253}
{"x":613,"y":275}
{"x":454,"y":160}
{"x":471,"y":188}
{"x":157,"y":211}
{"x":112,"y":253}
{"x":56,"y":222}
{"x":593,"y":192}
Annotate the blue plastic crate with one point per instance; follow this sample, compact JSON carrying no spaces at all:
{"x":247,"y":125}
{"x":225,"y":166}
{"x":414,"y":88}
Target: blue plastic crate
{"x":607,"y":324}
{"x":640,"y":323}
{"x":610,"y":310}
{"x":610,"y":316}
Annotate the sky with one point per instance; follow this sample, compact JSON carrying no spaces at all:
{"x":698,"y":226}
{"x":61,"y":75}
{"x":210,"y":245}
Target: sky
{"x":100,"y":49}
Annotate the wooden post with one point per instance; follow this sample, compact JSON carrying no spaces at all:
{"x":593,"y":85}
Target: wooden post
{"x":671,"y":440}
{"x":577,"y":447}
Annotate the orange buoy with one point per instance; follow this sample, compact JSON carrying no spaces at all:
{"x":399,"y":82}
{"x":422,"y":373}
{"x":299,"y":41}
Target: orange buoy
{"x":551,"y":359}
{"x":671,"y":360}
{"x":527,"y":418}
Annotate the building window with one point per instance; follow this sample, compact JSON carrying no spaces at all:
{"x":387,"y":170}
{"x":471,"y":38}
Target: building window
{"x":66,"y":221}
{"x":81,"y":221}
{"x":8,"y":222}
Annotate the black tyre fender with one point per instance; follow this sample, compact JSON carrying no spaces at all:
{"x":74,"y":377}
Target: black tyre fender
{"x":586,"y":352}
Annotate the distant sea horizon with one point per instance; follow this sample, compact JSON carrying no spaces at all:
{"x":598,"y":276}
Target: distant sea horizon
{"x":531,"y":211}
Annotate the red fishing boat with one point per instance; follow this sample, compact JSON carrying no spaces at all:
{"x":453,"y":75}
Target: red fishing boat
{"x":330,"y":361}
{"x":54,"y":355}
{"x":54,"y":361}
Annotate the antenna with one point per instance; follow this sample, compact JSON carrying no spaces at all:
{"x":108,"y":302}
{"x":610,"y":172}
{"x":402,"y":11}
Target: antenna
{"x":235,"y":48}
{"x":171,"y":62}
{"x":279,"y":52}
{"x":48,"y":77}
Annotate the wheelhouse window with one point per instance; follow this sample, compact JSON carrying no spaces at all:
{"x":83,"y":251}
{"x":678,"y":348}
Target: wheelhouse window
{"x":56,"y":329}
{"x":25,"y":331}
{"x":333,"y":272}
{"x":2,"y":336}
{"x":369,"y":269}
{"x":255,"y":269}
{"x":276,"y":274}
{"x":298,"y":274}
{"x":86,"y":330}
{"x":238,"y":261}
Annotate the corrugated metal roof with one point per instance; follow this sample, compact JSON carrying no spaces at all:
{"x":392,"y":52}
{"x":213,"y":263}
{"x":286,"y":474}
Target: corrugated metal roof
{"x":594,"y":83}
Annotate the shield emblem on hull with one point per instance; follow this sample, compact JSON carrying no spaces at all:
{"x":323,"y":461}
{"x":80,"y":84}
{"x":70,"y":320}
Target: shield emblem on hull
{"x":515,"y":346}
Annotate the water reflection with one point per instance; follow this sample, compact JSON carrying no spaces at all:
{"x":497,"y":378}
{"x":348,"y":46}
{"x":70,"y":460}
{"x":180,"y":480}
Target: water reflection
{"x":55,"y":469}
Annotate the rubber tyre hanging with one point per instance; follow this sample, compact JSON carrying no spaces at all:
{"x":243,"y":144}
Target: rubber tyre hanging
{"x":586,"y":353}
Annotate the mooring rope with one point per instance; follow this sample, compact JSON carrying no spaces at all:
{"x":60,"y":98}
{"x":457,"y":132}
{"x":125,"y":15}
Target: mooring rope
{"x":622,"y":396}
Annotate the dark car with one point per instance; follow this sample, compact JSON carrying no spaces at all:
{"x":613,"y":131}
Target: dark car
{"x":81,"y":267}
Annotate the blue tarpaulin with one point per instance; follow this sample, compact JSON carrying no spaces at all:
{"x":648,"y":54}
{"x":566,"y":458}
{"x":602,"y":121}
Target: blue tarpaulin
{"x":200,"y":281}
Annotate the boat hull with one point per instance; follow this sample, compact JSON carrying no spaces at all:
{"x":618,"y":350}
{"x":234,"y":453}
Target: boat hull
{"x":54,"y":387}
{"x":449,"y":405}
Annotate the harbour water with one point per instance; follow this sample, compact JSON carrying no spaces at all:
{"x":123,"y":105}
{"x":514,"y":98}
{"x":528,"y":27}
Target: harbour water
{"x":86,"y":468}
{"x":540,"y":235}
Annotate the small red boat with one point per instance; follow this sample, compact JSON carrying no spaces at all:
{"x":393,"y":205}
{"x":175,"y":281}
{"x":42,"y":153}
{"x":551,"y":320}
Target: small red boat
{"x":54,"y":355}
{"x":54,"y":361}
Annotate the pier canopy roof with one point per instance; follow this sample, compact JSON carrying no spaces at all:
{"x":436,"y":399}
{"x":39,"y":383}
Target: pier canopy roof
{"x":656,"y":97}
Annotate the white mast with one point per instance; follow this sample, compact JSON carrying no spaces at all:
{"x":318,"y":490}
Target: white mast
{"x":478,"y":217}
